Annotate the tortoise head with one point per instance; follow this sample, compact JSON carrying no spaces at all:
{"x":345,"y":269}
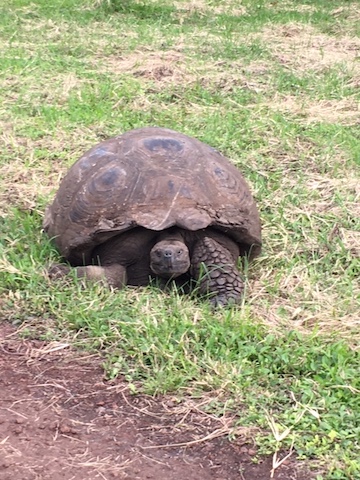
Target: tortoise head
{"x":169,"y":258}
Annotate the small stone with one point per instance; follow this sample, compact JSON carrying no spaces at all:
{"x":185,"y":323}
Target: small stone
{"x":65,"y":429}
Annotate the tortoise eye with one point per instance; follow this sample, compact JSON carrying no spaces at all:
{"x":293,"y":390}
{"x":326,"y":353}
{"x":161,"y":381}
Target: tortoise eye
{"x":180,"y":251}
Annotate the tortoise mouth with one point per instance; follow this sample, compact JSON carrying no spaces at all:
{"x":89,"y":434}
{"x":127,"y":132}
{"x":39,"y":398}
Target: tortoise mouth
{"x":172,"y":271}
{"x":169,"y":259}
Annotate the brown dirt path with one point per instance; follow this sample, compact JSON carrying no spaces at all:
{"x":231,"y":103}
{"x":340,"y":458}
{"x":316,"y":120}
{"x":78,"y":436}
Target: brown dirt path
{"x":59,"y":420}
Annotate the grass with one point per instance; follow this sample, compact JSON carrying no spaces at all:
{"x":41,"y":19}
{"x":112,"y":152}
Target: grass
{"x":274,"y":87}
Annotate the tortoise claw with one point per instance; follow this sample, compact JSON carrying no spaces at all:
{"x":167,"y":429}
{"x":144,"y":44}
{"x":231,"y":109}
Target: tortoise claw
{"x":57,"y":271}
{"x":221,"y":301}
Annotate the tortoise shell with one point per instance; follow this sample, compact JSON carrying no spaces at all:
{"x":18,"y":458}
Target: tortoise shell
{"x":155,"y":178}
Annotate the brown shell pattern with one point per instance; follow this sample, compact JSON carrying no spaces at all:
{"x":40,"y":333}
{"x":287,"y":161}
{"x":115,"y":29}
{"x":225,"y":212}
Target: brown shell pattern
{"x":155,"y":178}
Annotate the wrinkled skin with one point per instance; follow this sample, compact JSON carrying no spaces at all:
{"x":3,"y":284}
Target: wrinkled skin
{"x":169,"y":258}
{"x":133,"y":258}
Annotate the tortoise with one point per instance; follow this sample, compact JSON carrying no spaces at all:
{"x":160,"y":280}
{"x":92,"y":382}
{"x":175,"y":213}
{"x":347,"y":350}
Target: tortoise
{"x":154,"y":203}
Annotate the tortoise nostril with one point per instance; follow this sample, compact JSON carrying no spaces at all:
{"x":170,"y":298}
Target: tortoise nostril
{"x":168,"y":254}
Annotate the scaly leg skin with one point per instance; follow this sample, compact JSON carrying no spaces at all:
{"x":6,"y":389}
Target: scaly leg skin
{"x":215,"y":268}
{"x":112,"y":275}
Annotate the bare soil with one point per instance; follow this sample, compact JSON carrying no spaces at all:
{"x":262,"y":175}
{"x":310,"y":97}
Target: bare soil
{"x":59,"y":419}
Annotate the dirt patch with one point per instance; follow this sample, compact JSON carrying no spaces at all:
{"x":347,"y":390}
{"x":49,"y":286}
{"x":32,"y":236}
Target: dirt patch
{"x":303,"y":48}
{"x":164,"y":67}
{"x":59,"y":419}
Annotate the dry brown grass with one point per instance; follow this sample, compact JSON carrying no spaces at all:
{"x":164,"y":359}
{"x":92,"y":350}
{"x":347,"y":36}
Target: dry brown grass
{"x":286,"y":6}
{"x":345,"y":111}
{"x":204,"y":7}
{"x":345,"y":187}
{"x":302,"y":297}
{"x":351,"y":241}
{"x":351,"y":11}
{"x":173,"y":68}
{"x":27,"y":178}
{"x":23,"y":185}
{"x":301,"y":47}
{"x":304,"y":305}
{"x":50,"y":89}
{"x":296,"y":46}
{"x":158,"y":66}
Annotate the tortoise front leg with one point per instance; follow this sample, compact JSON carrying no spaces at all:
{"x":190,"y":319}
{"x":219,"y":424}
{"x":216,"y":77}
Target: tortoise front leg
{"x":214,"y":266}
{"x":113,"y":275}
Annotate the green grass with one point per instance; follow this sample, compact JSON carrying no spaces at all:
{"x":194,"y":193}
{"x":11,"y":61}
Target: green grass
{"x":274,"y":87}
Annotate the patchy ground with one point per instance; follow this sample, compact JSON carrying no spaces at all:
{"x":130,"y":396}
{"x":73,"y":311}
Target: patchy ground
{"x":59,"y":420}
